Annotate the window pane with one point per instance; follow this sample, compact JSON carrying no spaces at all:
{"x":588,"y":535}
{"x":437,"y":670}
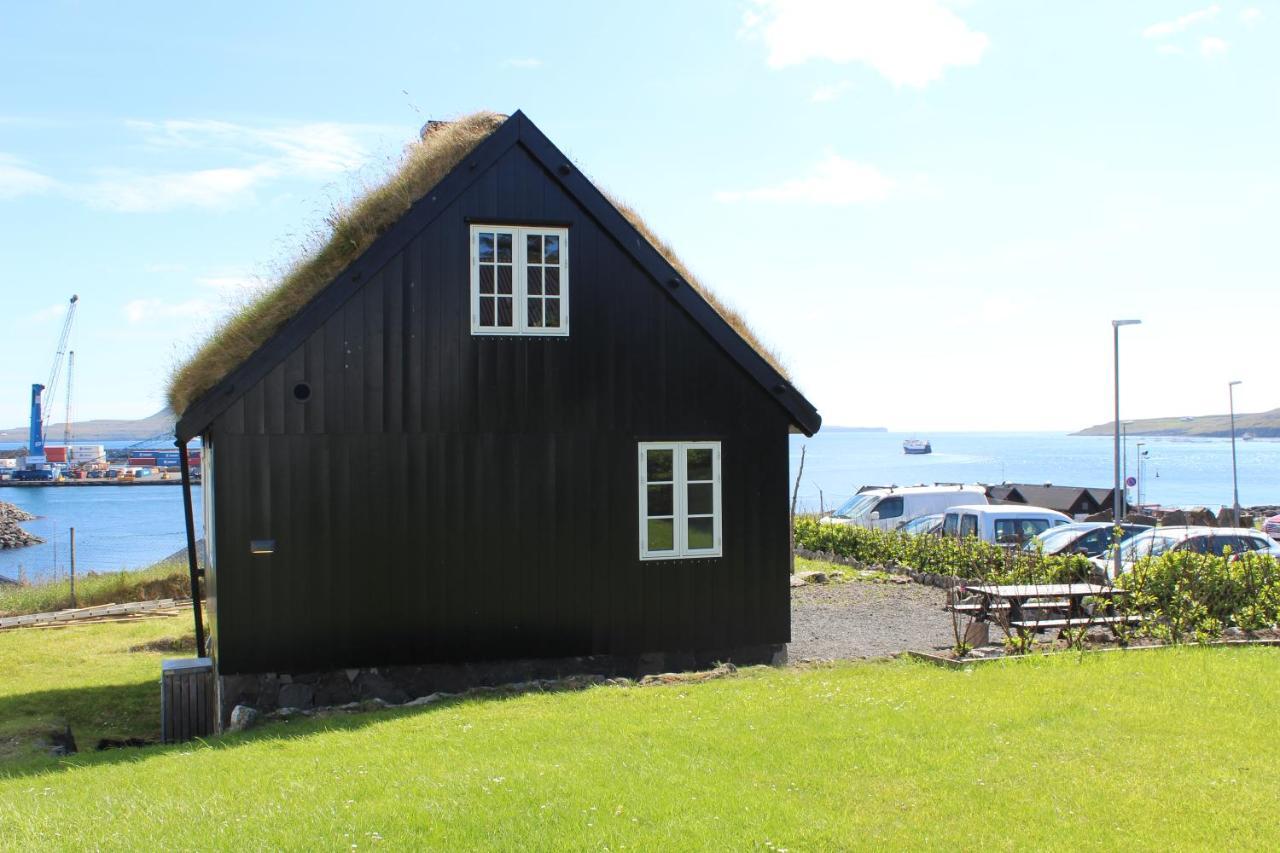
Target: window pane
{"x":504,"y":248}
{"x":486,"y":311}
{"x":552,"y":255}
{"x":661,"y":500}
{"x":504,"y":279}
{"x":486,"y":247}
{"x":701,"y":533}
{"x":699,"y":462}
{"x":535,"y":281}
{"x":700,"y":500}
{"x":553,"y":313}
{"x":504,"y":311}
{"x":553,"y":281}
{"x":535,"y":312}
{"x":486,"y":279}
{"x":661,"y":534}
{"x":534,"y":248}
{"x":658,"y":463}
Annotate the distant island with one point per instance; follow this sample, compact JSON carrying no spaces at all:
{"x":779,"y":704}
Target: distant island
{"x":1261,"y":425}
{"x":102,"y":429}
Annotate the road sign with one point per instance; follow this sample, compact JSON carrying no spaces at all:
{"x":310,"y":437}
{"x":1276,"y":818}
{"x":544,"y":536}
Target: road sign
{"x":1131,"y":482}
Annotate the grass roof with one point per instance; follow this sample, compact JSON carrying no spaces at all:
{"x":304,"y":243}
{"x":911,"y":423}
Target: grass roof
{"x":351,"y":229}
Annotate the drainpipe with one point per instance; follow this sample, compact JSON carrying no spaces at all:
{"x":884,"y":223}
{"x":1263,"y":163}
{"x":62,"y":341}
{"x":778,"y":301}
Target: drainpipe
{"x":191,"y":546}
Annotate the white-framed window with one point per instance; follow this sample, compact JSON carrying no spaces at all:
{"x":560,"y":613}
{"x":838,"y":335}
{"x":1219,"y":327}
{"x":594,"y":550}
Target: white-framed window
{"x":519,"y":280}
{"x":680,"y":514}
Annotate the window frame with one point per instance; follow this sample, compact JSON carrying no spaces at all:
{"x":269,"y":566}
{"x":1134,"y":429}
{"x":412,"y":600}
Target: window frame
{"x":680,"y":549}
{"x":519,"y":280}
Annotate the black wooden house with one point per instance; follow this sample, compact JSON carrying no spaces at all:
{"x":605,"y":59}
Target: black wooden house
{"x":512,"y":428}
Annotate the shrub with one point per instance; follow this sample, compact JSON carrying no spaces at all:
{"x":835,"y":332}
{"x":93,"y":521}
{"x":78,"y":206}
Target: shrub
{"x":1200,"y":594}
{"x":970,"y":558}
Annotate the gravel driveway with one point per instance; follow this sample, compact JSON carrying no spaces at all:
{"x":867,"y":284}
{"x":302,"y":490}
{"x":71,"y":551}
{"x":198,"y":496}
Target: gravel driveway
{"x":864,"y":619}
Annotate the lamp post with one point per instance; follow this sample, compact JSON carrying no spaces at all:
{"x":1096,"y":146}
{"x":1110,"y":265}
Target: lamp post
{"x":1124,"y":465}
{"x":1235,"y":483}
{"x":1116,"y":498}
{"x":1141,"y":480}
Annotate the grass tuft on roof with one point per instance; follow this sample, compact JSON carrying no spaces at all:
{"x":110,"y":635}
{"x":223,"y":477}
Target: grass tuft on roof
{"x":352,"y":228}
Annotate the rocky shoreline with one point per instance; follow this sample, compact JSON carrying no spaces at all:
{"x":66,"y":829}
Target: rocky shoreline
{"x":11,"y":535}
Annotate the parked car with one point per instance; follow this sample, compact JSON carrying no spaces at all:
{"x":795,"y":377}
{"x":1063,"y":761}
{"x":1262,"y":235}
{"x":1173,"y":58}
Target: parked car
{"x":1089,"y":538}
{"x":889,"y":509}
{"x":930,"y":525}
{"x":1002,"y":525}
{"x":1271,"y":527}
{"x":1201,"y":540}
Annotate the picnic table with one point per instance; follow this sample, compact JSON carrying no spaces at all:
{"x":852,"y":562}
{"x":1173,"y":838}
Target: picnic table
{"x":1035,"y":607}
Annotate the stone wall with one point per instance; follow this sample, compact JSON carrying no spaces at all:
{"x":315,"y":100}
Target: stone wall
{"x":396,"y":685}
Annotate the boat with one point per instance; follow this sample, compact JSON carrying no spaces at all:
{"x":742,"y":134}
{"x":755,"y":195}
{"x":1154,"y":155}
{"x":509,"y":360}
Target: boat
{"x":1248,"y":436}
{"x":916,"y":446}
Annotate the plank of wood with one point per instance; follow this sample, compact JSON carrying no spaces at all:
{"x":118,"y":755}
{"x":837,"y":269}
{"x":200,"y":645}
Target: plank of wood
{"x":1074,"y":623}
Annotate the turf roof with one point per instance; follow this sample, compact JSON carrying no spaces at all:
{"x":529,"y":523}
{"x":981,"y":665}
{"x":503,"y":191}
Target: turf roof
{"x":353,"y":228}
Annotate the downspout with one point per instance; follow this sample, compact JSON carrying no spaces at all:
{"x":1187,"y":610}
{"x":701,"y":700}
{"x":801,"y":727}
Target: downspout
{"x":191,"y":546}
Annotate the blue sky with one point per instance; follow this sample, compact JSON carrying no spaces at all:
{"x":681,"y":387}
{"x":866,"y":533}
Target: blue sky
{"x":931,"y":209}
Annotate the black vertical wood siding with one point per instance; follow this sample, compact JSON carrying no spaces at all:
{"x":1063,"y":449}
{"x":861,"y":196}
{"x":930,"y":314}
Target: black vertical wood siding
{"x":442,"y":497}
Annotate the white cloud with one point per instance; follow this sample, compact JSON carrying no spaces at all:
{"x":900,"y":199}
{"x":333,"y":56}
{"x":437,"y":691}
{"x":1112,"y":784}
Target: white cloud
{"x":831,"y":92}
{"x":16,"y":179}
{"x":138,"y":311}
{"x":1170,"y":49}
{"x":527,"y":62}
{"x":254,"y":155}
{"x":833,"y":181}
{"x":44,"y":315}
{"x":126,"y":192}
{"x":1251,"y":15}
{"x":1212,"y":46}
{"x":909,"y":42}
{"x":1178,"y":25}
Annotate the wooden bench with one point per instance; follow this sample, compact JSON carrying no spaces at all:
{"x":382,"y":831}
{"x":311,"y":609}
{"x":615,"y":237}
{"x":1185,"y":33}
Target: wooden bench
{"x":1075,"y":623}
{"x":1004,"y":605}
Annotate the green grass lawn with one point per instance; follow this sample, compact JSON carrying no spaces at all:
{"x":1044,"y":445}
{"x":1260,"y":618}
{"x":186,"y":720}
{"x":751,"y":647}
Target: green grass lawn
{"x":1148,"y":749}
{"x":86,"y":677}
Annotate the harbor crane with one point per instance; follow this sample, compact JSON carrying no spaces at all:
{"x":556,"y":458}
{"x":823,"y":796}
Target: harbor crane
{"x":40,"y":418}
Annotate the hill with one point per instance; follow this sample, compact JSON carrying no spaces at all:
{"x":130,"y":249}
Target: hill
{"x":102,"y":429}
{"x":1262,"y":425}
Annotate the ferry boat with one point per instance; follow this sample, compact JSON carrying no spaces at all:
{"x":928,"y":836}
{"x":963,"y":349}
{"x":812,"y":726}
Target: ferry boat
{"x":916,"y":446}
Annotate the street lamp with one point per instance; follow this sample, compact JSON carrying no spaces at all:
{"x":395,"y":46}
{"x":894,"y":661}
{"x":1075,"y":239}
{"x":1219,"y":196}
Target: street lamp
{"x":1124,"y":464}
{"x":1235,"y":483}
{"x":1116,"y":498}
{"x":1141,"y":480}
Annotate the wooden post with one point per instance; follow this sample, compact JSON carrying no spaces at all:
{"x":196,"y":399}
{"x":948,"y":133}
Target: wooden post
{"x":73,"y":568}
{"x":192,"y":568}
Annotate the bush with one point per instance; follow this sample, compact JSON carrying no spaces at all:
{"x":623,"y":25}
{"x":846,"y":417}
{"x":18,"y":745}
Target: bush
{"x":971,"y":558}
{"x":1200,"y":594}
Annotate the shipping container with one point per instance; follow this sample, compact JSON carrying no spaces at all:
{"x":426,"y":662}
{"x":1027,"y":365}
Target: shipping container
{"x":55,"y":454}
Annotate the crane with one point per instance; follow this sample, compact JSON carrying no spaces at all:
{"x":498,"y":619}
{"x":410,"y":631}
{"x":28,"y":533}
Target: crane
{"x":39,"y":419}
{"x":66,"y":425}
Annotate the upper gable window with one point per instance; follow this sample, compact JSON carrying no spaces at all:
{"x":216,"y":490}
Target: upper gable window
{"x":519,"y":280}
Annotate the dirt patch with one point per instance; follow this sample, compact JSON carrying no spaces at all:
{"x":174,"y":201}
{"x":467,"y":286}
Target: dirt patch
{"x":866,"y":620}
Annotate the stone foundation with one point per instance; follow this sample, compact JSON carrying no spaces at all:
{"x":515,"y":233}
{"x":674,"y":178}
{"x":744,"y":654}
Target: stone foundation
{"x":396,"y":685}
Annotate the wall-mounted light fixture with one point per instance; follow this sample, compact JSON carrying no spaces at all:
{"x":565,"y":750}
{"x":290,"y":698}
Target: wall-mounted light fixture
{"x":262,"y":546}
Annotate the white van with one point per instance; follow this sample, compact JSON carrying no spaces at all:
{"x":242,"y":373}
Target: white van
{"x":1006,"y":524}
{"x":889,"y":509}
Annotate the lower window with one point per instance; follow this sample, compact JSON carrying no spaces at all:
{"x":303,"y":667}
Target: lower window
{"x":679,"y":499}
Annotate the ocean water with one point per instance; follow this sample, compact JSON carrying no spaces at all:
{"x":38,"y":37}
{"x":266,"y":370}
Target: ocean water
{"x":1175,"y":471}
{"x":133,"y":526}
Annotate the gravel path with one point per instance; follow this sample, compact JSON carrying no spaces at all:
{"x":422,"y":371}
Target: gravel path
{"x":863,"y":619}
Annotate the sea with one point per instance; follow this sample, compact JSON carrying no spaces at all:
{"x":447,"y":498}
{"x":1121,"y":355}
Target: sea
{"x":120,"y":527}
